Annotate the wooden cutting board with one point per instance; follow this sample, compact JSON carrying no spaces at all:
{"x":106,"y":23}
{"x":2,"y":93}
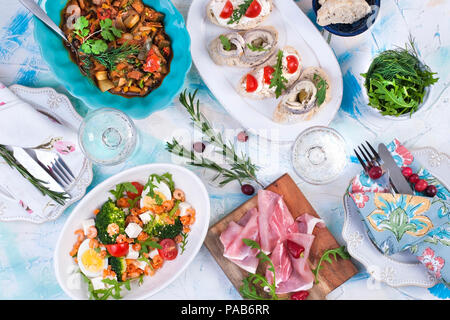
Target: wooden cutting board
{"x":330,"y":276}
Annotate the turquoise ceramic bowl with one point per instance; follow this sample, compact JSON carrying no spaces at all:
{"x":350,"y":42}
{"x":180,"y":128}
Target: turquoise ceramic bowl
{"x":68,"y":73}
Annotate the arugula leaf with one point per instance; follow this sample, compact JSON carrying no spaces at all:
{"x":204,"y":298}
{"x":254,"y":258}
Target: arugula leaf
{"x":341,"y":252}
{"x":248,"y":288}
{"x":321,"y":86}
{"x":278,"y":80}
{"x":239,"y":12}
{"x":225,"y":42}
{"x":149,"y":243}
{"x":121,"y":188}
{"x":255,"y":48}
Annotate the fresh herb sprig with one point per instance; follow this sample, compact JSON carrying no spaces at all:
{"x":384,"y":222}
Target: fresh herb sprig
{"x":121,"y":188}
{"x":58,"y":197}
{"x":147,"y":245}
{"x":278,"y":80}
{"x":256,"y":48}
{"x":249,"y":286}
{"x":112,"y":56}
{"x":95,"y":46}
{"x":226,"y":43}
{"x":239,"y":12}
{"x":326,"y":256}
{"x":241,"y":167}
{"x":396,"y":81}
{"x":113,"y":290}
{"x":321,"y":89}
{"x":184,"y":242}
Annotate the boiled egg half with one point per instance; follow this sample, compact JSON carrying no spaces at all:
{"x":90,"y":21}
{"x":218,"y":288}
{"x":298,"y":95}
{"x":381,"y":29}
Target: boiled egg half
{"x":90,"y":261}
{"x":160,"y":190}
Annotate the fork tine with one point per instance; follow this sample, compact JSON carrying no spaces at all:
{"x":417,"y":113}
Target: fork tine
{"x":62,"y":173}
{"x":63,"y":164}
{"x":360,"y":160}
{"x":374,"y":151}
{"x":371,"y":156}
{"x":365,"y":157}
{"x":64,"y":170}
{"x":59,"y":174}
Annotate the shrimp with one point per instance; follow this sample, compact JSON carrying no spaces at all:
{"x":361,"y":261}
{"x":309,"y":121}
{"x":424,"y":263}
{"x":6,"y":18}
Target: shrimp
{"x":185,"y":220}
{"x":112,"y":229}
{"x":123,"y":203}
{"x":178,"y":238}
{"x":157,"y":261}
{"x":179,"y":195}
{"x":168,"y":205}
{"x":93,"y":244}
{"x":92,"y":232}
{"x":80,"y":234}
{"x":121,"y":238}
{"x":142,"y":236}
{"x":136,"y":247}
{"x":133,"y":219}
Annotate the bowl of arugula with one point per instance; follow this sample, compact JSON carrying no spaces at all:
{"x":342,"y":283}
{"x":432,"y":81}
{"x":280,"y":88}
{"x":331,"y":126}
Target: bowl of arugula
{"x":398,"y":83}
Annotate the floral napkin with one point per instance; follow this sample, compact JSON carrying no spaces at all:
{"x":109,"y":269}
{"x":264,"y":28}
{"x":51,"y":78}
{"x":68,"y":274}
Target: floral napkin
{"x":23,"y":126}
{"x":407,"y":222}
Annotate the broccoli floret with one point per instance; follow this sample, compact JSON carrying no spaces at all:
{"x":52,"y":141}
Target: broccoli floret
{"x":161,"y":230}
{"x":119,"y":266}
{"x":109,"y":213}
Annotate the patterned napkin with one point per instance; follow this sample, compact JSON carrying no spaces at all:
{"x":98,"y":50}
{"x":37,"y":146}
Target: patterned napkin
{"x":407,"y":222}
{"x":23,"y":126}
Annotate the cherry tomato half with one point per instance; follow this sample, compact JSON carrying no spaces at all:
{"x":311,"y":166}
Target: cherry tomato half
{"x":292,"y":64}
{"x":253,"y":10}
{"x":268,"y":74}
{"x":227,"y":10}
{"x":300,"y":295}
{"x":294,"y":249}
{"x":169,"y":249}
{"x":251,"y":84}
{"x":118,"y":250}
{"x":139,"y":187}
{"x":153,"y":62}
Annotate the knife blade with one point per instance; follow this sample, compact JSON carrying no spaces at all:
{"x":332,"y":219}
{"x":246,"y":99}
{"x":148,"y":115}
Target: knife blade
{"x":36,"y":170}
{"x":395,"y":173}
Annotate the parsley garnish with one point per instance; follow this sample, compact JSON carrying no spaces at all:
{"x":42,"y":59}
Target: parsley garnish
{"x":255,"y":48}
{"x":248,"y":288}
{"x":121,"y":188}
{"x":321,"y":86}
{"x":225,"y":42}
{"x":341,"y":252}
{"x":240,"y":11}
{"x":278,"y":80}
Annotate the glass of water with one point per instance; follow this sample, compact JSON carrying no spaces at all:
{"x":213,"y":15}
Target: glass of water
{"x":107,"y":136}
{"x":319,"y":155}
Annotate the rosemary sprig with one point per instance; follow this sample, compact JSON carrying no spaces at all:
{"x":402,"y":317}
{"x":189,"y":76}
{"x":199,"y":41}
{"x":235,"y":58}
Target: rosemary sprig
{"x":184,"y":242}
{"x":241,"y":167}
{"x":58,"y":197}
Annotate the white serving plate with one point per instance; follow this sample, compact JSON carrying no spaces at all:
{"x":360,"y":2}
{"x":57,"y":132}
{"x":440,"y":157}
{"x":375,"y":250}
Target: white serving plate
{"x":67,"y":271}
{"x":295,"y":29}
{"x":57,"y":106}
{"x":401,"y":269}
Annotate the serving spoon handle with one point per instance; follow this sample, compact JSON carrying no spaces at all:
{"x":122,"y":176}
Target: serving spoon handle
{"x":41,"y":15}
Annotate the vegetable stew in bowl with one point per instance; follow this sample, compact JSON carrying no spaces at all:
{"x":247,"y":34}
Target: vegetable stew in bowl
{"x":121,"y":44}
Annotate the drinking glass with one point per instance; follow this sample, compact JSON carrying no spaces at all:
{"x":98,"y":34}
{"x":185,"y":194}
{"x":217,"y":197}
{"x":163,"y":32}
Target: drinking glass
{"x":107,"y":136}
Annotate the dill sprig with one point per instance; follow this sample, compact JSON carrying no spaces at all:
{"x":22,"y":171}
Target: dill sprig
{"x":241,"y":167}
{"x":112,"y":56}
{"x":58,"y":197}
{"x":239,"y":12}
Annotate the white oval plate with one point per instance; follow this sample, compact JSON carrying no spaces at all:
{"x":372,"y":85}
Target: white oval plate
{"x":401,"y":269}
{"x":67,"y":271}
{"x":295,"y":29}
{"x":57,"y":106}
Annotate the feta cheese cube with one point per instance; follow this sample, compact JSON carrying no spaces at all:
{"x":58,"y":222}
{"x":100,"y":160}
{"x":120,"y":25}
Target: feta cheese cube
{"x":98,"y":284}
{"x":184,"y":206}
{"x":153,"y":253}
{"x":141,"y":264}
{"x":133,"y":230}
{"x":145,"y":217}
{"x":132,"y":254}
{"x":88,"y":223}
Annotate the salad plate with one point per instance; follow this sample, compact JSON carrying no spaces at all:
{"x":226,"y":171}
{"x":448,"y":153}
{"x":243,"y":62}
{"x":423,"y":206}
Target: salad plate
{"x":67,"y":72}
{"x":67,"y":270}
{"x":401,"y":269}
{"x":294,"y":29}
{"x":57,"y":106}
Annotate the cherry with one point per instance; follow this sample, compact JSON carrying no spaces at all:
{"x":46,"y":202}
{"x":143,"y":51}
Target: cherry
{"x":300,"y":295}
{"x":375,"y":173}
{"x":413,"y":178}
{"x":242,"y":136}
{"x":407,"y":172}
{"x":247,"y":189}
{"x":421,"y":185}
{"x":199,"y":147}
{"x":431,"y":191}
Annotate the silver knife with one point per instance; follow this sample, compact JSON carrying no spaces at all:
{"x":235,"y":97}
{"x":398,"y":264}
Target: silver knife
{"x":36,"y":170}
{"x":398,"y":180}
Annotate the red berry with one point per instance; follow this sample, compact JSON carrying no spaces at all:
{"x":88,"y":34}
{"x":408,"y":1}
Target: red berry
{"x":247,"y":189}
{"x":375,"y":173}
{"x":300,"y":295}
{"x":413,"y":178}
{"x":431,"y":191}
{"x":242,"y":136}
{"x":199,"y":147}
{"x":421,"y":185}
{"x":294,"y":249}
{"x":407,"y":171}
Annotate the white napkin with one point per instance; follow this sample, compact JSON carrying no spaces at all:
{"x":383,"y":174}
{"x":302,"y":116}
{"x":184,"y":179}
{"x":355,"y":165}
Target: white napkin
{"x":23,"y":126}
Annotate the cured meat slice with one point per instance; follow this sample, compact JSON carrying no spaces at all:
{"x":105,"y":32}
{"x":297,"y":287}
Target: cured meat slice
{"x":307,"y":223}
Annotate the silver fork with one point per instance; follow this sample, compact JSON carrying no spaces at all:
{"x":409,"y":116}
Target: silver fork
{"x":61,"y":172}
{"x":373,"y":159}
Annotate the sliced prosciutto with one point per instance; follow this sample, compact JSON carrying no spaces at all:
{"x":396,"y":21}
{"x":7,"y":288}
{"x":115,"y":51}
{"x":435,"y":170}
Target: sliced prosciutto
{"x":234,"y":247}
{"x":275,"y":220}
